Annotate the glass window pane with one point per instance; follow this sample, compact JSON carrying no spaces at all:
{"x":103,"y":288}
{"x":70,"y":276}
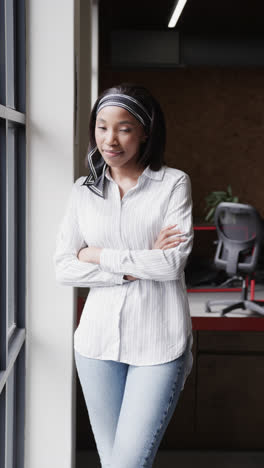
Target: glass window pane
{"x":2,"y":426}
{"x":10,"y":418}
{"x":3,"y":244}
{"x":11,"y":253}
{"x":10,"y":53}
{"x":20,"y":55}
{"x":19,"y":430}
{"x":20,"y":183}
{"x":2,"y":53}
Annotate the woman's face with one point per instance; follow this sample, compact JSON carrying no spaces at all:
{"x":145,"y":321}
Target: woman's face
{"x":118,"y":136}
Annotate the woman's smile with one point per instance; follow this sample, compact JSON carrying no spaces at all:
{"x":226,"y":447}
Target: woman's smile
{"x":111,"y":153}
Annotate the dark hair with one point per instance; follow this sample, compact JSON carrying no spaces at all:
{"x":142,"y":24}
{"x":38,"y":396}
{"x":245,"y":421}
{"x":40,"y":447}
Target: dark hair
{"x":152,"y":151}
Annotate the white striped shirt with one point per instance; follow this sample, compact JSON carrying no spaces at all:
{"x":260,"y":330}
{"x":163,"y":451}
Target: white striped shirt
{"x":142,"y":322}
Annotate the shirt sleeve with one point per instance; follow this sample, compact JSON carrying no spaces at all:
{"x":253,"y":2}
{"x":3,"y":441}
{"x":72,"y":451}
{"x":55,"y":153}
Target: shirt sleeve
{"x":69,"y":270}
{"x":158,"y":264}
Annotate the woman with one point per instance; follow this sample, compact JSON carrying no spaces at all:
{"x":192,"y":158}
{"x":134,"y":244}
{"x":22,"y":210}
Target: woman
{"x":126,"y":235}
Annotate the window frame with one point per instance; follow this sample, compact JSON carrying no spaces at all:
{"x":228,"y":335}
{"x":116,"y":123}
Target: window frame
{"x":12,"y":231}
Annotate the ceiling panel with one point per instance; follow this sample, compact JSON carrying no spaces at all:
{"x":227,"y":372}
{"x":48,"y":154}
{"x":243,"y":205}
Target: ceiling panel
{"x":230,"y":16}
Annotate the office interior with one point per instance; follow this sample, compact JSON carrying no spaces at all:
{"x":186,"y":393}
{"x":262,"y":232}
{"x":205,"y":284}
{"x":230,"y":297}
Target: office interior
{"x":208,"y":74}
{"x":55,"y":56}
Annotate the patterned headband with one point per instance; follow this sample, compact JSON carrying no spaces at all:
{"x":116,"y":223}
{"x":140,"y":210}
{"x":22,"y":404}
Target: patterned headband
{"x":129,"y":103}
{"x":96,"y":163}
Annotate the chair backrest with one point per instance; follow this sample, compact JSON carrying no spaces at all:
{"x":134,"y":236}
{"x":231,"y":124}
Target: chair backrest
{"x":240,"y":234}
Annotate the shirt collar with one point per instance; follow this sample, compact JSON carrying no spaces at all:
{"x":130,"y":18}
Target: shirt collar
{"x":99,"y":169}
{"x":156,"y":175}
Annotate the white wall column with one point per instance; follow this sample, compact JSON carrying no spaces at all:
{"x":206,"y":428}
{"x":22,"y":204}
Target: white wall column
{"x":50,"y":371}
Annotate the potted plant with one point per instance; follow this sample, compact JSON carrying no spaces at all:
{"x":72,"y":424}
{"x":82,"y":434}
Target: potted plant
{"x":214,"y":198}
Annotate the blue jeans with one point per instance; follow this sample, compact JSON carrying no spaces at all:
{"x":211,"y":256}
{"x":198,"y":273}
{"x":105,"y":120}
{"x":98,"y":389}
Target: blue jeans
{"x":129,"y":407}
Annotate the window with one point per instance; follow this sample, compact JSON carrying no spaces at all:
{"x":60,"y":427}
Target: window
{"x":12,"y":232}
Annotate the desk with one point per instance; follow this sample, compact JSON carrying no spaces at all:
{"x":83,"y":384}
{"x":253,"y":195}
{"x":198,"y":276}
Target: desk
{"x":222,"y":405}
{"x":239,"y":320}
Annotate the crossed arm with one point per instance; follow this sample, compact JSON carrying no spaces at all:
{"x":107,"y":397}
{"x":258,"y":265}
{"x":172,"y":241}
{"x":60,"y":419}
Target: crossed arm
{"x":107,"y":267}
{"x":164,"y":241}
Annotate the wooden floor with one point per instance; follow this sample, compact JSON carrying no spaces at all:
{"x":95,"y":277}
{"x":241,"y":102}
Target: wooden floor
{"x":187,"y":459}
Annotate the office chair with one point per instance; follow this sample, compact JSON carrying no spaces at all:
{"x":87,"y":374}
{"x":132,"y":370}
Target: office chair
{"x":240,"y":236}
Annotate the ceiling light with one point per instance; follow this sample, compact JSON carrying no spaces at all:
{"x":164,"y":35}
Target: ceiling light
{"x":176,"y":13}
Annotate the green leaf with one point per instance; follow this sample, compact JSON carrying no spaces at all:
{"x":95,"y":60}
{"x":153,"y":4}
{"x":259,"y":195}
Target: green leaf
{"x":209,"y":214}
{"x":219,"y":193}
{"x":229,"y":190}
{"x":216,"y":197}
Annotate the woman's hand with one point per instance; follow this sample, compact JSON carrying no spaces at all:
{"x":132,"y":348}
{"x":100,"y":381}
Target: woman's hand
{"x":164,"y":240}
{"x":130,"y":277}
{"x":83,"y":254}
{"x":89,"y":255}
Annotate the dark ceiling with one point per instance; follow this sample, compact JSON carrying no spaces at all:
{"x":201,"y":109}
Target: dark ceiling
{"x":198,"y":16}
